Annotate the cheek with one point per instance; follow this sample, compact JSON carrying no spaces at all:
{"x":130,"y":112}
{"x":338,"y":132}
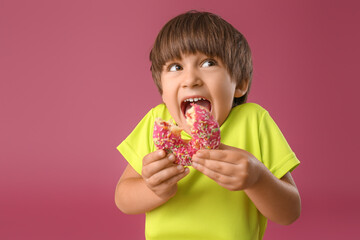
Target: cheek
{"x":165,"y":99}
{"x":170,"y":102}
{"x":167,"y":88}
{"x":225,"y":92}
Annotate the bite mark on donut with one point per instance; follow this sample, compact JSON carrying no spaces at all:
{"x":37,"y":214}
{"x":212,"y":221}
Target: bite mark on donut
{"x":205,"y":133}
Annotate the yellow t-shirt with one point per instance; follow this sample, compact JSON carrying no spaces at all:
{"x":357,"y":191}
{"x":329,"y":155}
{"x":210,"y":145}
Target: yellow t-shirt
{"x":201,"y":209}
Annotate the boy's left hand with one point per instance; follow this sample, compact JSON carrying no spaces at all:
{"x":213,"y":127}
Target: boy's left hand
{"x":233,"y":168}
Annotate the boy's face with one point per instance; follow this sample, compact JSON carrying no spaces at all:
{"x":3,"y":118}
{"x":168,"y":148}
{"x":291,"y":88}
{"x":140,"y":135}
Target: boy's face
{"x":198,"y":78}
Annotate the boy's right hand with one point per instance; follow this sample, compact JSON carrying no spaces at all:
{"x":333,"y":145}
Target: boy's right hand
{"x":161,"y":174}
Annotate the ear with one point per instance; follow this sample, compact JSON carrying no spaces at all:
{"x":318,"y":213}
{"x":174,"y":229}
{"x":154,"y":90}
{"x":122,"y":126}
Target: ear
{"x":241,"y":89}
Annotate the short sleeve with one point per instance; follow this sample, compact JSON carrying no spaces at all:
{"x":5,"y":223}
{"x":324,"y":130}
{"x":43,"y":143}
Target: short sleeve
{"x":139,"y":143}
{"x":276,"y":153}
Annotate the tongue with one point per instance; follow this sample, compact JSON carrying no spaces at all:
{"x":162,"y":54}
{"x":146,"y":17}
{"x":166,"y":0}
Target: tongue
{"x":203,"y":103}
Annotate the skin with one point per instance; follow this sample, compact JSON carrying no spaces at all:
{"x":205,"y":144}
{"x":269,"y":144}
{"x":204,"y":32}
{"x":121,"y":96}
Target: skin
{"x":196,"y":75}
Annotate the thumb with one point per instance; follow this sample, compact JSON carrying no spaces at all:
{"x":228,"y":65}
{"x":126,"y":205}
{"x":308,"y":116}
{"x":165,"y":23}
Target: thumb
{"x":225,"y":147}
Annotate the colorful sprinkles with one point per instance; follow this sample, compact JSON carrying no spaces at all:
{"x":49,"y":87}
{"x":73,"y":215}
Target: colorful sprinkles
{"x":205,"y":134}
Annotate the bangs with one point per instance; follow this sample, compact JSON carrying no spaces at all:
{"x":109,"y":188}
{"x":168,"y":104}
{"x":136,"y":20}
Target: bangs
{"x":190,"y":35}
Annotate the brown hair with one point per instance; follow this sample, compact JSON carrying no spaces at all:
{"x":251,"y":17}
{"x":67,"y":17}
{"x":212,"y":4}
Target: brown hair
{"x":209,"y":34}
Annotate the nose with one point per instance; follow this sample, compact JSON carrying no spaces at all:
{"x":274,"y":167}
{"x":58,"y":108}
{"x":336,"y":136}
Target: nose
{"x":192,"y":78}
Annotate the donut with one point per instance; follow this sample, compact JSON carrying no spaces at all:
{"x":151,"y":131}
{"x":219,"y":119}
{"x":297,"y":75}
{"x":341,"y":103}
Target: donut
{"x":205,"y":133}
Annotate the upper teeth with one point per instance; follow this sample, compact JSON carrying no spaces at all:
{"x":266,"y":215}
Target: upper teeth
{"x":193,"y":99}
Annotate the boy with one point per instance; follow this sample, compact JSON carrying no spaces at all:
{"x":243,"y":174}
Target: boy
{"x":228,"y":193}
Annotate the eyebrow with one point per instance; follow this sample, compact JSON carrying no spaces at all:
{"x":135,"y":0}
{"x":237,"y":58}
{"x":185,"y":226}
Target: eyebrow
{"x":171,"y":61}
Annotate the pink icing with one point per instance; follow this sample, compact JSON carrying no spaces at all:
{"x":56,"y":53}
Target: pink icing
{"x":205,"y":134}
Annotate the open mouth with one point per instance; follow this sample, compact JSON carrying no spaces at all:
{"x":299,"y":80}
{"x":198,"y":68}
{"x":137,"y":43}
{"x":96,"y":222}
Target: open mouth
{"x":185,"y":105}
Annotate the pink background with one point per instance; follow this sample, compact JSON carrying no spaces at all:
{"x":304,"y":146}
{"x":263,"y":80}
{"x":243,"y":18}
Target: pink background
{"x":75,"y":80}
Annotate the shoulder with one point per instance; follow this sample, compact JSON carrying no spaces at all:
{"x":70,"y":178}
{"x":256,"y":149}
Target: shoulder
{"x":250,"y":107}
{"x":160,"y":107}
{"x":248,"y":110}
{"x":245,"y":116}
{"x":160,"y":111}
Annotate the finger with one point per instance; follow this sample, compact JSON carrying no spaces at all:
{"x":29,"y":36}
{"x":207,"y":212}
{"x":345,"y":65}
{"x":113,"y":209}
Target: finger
{"x":165,"y":175}
{"x":221,"y":167}
{"x":210,"y":154}
{"x":217,"y":177}
{"x":176,"y":178}
{"x":218,"y":155}
{"x":154,"y":156}
{"x":225,"y":154}
{"x":227,"y":147}
{"x":158,"y":165}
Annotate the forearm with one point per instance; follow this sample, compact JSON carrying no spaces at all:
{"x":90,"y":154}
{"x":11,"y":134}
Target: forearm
{"x":276,"y":199}
{"x":132,"y":196}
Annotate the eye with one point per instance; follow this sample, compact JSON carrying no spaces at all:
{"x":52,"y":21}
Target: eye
{"x":209,"y":63}
{"x":174,"y":67}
